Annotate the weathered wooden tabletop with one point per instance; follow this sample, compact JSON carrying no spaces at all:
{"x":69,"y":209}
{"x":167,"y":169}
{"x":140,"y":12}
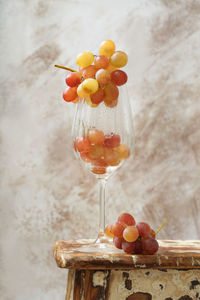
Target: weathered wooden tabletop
{"x":172,"y":254}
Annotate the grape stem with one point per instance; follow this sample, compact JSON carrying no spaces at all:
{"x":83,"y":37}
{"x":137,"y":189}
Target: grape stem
{"x":161,"y":226}
{"x":65,"y":68}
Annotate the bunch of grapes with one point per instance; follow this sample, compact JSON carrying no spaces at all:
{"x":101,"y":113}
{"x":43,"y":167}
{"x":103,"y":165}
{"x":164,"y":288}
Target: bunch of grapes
{"x":132,"y":237}
{"x":101,"y":150}
{"x":98,"y":77}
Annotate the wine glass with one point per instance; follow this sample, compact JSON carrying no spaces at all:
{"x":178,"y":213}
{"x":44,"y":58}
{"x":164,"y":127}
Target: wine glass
{"x":103,"y":138}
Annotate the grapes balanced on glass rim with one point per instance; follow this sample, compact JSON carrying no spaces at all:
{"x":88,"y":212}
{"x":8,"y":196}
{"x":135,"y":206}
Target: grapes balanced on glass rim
{"x":102,"y":131}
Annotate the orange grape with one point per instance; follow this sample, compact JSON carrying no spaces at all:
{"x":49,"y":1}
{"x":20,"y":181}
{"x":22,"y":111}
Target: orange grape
{"x":130,"y":234}
{"x":99,"y":170}
{"x":111,"y":92}
{"x":110,"y":103}
{"x":70,"y":94}
{"x":96,"y":136}
{"x":101,"y":62}
{"x":85,"y":157}
{"x":83,"y":144}
{"x":85,"y":59}
{"x":111,"y":157}
{"x":96,"y":151}
{"x":107,"y":48}
{"x":119,"y":59}
{"x":108,"y":231}
{"x":75,"y":100}
{"x":90,"y":103}
{"x":103,"y":76}
{"x":89,"y":72}
{"x":97,"y":97}
{"x":123,"y":151}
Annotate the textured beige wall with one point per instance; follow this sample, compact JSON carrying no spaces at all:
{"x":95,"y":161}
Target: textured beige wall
{"x":45,"y":193}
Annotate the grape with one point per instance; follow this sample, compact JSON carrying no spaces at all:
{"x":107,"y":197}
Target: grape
{"x":89,"y":72}
{"x":111,"y":92}
{"x":107,"y":48}
{"x":97,"y":97}
{"x":150,"y":246}
{"x":126,"y":219}
{"x":119,"y":77}
{"x":90,"y":103}
{"x":111,"y":68}
{"x":90,"y":85}
{"x":138,"y":249}
{"x":99,"y":170}
{"x":101,"y":62}
{"x":144,"y":229}
{"x":97,"y":151}
{"x":117,"y":229}
{"x":83,"y":144}
{"x":108,"y":231}
{"x":85,"y":59}
{"x":111,"y":157}
{"x":73,"y":79}
{"x":152,"y":234}
{"x":85,"y":157}
{"x":118,"y":242}
{"x":110,"y":103}
{"x":81,"y":92}
{"x":75,"y":100}
{"x":119,"y":59}
{"x":130,"y":234}
{"x":103,"y":76}
{"x":70,"y":94}
{"x":112,"y":140}
{"x":128,"y":247}
{"x":96,"y":136}
{"x":123,"y":151}
{"x":99,"y":162}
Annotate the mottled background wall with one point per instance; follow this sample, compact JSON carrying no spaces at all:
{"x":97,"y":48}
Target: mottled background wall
{"x":45,"y":193}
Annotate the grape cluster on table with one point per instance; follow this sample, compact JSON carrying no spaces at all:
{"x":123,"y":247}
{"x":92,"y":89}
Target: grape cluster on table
{"x":132,"y":237}
{"x":98,"y":77}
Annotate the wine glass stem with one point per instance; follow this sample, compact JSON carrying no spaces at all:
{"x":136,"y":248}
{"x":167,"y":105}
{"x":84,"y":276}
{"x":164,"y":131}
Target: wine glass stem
{"x":102,"y":196}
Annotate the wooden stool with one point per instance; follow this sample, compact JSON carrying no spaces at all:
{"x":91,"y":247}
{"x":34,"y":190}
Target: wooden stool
{"x":172,"y":274}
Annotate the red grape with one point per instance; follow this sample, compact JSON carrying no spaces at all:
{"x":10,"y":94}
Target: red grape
{"x":138,"y":247}
{"x":150,"y":246}
{"x":118,"y":242}
{"x":127,"y":219}
{"x":73,"y":79}
{"x":128,"y":247}
{"x":83,"y":144}
{"x":118,"y":229}
{"x":112,"y":140}
{"x":119,"y":77}
{"x":70,"y":94}
{"x":144,"y":229}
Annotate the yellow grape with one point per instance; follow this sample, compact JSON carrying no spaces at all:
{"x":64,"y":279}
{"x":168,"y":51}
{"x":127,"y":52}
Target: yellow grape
{"x":90,"y":85}
{"x":123,"y":151}
{"x":85,"y":59}
{"x":119,"y":59}
{"x":107,"y":48}
{"x":81,"y":92}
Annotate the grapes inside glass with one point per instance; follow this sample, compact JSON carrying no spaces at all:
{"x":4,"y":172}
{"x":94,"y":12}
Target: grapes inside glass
{"x":103,"y":138}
